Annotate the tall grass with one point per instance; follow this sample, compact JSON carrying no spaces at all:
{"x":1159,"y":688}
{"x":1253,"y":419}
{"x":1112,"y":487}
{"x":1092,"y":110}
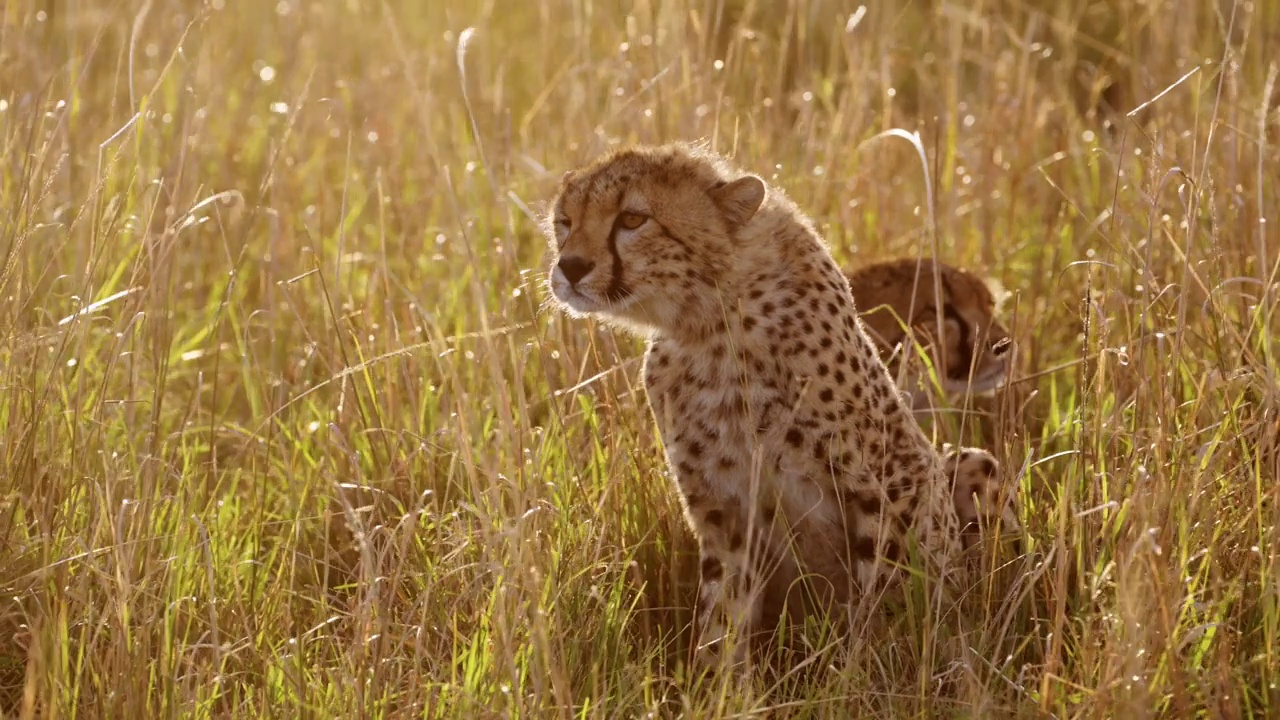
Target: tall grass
{"x":288,"y":431}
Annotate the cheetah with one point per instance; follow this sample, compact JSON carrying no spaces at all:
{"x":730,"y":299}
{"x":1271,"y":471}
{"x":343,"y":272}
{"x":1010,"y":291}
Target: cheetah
{"x":793,"y":453}
{"x":895,"y":294}
{"x":975,"y":359}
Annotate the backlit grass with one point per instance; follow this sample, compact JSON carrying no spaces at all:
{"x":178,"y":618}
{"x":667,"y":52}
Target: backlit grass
{"x":287,"y":428}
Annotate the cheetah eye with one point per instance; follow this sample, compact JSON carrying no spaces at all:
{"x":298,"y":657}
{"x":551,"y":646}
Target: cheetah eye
{"x":631,"y":221}
{"x":563,"y":223}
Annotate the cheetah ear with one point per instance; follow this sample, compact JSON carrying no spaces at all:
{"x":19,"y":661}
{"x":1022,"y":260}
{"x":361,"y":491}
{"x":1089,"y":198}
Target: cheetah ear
{"x":739,"y":200}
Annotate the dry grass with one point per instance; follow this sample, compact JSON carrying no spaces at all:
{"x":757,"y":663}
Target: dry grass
{"x":286,"y":432}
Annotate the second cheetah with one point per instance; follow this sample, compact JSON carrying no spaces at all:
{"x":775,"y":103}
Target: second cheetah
{"x":894,"y":295}
{"x":792,"y":450}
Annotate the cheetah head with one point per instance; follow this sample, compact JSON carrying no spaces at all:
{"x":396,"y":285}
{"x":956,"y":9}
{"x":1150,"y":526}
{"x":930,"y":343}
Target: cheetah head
{"x":975,"y":349}
{"x":640,"y":236}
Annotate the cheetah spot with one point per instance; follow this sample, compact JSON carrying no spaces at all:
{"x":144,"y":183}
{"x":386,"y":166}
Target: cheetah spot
{"x":864,"y":549}
{"x":869,"y":504}
{"x":892,"y":551}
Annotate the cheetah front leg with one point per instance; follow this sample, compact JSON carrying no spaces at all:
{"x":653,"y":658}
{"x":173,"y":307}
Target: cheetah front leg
{"x":982,"y":502}
{"x":730,"y":583}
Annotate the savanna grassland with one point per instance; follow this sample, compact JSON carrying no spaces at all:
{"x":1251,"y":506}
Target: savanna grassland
{"x":287,"y":428}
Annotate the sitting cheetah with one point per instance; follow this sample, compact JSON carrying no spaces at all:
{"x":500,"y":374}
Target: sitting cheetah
{"x":791,"y":448}
{"x":976,"y":348}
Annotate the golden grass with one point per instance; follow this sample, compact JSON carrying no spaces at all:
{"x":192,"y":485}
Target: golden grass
{"x":287,"y":433}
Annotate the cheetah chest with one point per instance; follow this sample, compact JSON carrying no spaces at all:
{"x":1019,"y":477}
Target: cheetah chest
{"x":732,"y":428}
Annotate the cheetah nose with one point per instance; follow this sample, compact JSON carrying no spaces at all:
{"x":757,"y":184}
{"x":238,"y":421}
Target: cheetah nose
{"x":575,"y":268}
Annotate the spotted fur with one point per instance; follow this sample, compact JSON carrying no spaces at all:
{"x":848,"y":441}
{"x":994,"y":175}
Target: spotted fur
{"x":983,"y":503}
{"x":792,"y":450}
